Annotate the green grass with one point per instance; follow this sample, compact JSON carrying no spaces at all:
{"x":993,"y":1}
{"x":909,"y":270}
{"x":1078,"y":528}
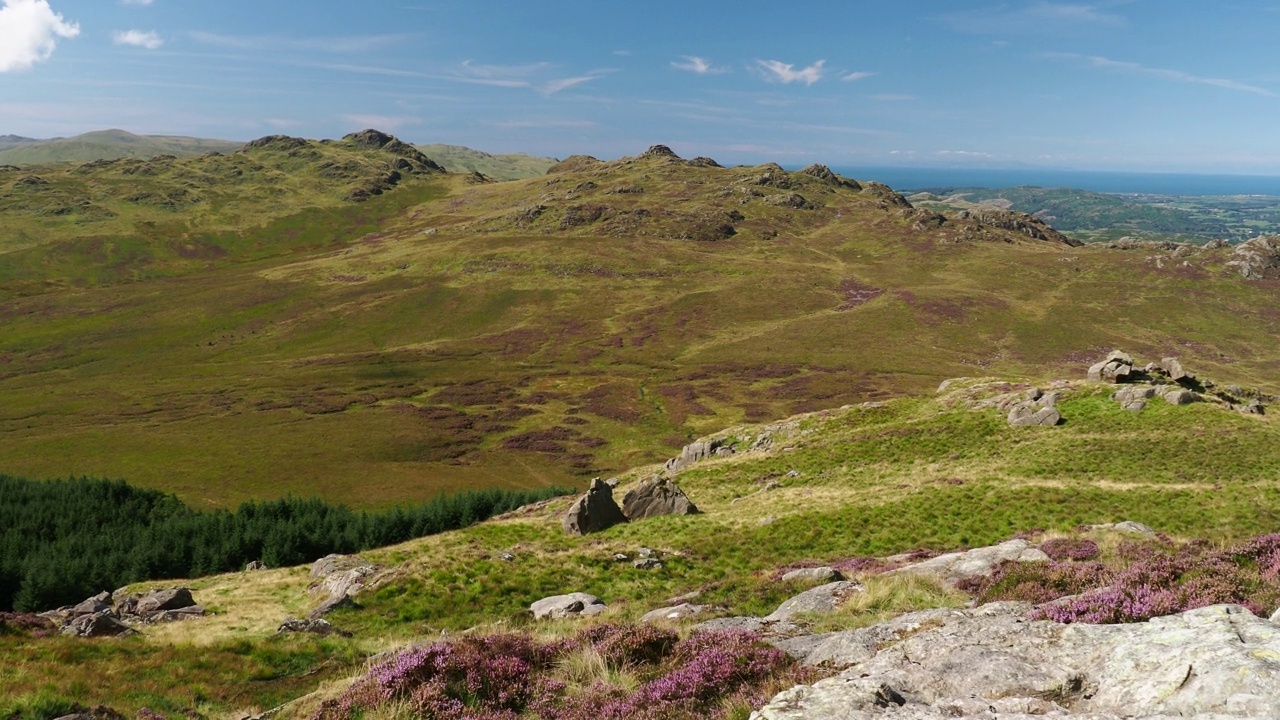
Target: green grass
{"x":253,"y":344}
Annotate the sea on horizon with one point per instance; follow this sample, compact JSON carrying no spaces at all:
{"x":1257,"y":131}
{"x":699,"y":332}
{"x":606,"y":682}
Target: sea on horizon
{"x":916,"y":179}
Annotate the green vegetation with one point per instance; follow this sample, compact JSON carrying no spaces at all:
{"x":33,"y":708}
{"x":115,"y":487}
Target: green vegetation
{"x":873,"y":480}
{"x":511,"y":166}
{"x":268,"y":335}
{"x":62,"y":541}
{"x":104,"y":145}
{"x":1103,"y":217}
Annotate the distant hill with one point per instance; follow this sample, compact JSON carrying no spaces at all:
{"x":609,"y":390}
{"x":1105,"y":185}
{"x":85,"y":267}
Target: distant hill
{"x":104,"y":145}
{"x":514,"y":166}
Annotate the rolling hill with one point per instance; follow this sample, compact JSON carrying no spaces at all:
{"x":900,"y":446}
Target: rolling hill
{"x":512,"y":166}
{"x":104,"y":145}
{"x":286,"y":319}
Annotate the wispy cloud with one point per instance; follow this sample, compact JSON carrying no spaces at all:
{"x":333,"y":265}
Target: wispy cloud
{"x":1132,"y":68}
{"x":29,"y":33}
{"x":698,"y":66}
{"x":778,"y":71}
{"x":540,"y":124}
{"x":1039,"y":16}
{"x":522,"y":76}
{"x":855,"y":76}
{"x":380,"y":122}
{"x":136,"y":2}
{"x":341,"y":45}
{"x":138,"y":38}
{"x":963,"y":154}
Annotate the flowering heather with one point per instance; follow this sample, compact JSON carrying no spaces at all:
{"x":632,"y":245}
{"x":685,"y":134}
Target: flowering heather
{"x":1070,"y":549}
{"x":503,"y":677}
{"x":1148,"y":579}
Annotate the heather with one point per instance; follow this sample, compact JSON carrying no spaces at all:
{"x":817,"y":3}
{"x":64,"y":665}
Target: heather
{"x":1140,"y":580}
{"x":509,"y":676}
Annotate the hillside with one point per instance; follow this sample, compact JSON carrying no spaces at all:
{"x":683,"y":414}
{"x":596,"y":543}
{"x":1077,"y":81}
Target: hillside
{"x":511,"y":166}
{"x":848,"y":488}
{"x":241,"y":327}
{"x":104,"y":145}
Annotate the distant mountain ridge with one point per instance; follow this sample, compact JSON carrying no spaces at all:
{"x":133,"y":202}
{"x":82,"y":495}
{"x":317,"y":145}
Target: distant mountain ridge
{"x":511,"y":166}
{"x":104,"y":145}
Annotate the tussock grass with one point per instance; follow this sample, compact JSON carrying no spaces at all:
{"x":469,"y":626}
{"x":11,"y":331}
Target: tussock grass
{"x":886,"y":597}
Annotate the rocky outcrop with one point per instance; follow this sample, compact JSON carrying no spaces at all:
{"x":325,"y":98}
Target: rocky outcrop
{"x":339,"y":578}
{"x":559,"y":607}
{"x":954,"y":567}
{"x":98,"y":624}
{"x":1038,"y":409}
{"x":1022,"y":223}
{"x":822,"y":599}
{"x":1134,"y":398}
{"x":1213,"y":662}
{"x":659,"y":151}
{"x":313,"y":626}
{"x":106,"y":615}
{"x":1257,"y":259}
{"x":1117,"y":368}
{"x":655,"y":497}
{"x":594,"y":511}
{"x":697,"y":452}
{"x":824,"y":173}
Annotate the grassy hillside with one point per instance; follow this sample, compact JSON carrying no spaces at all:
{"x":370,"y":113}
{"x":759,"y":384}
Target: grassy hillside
{"x":238,"y":327}
{"x":105,"y":145}
{"x":512,"y":166}
{"x":935,"y":471}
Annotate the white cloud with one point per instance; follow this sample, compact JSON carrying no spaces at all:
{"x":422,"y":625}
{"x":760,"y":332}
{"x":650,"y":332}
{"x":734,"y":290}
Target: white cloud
{"x":698,"y":66}
{"x":136,"y":2}
{"x":1133,"y":68}
{"x":29,"y":32}
{"x":786,"y":73}
{"x":138,"y":38}
{"x":855,"y":76}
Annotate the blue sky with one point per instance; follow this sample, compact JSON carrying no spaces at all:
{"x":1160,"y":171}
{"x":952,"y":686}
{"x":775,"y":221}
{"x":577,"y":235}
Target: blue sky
{"x":1159,"y":85}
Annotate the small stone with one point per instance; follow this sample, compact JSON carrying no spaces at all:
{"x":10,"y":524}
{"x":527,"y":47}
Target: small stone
{"x":647,"y":564}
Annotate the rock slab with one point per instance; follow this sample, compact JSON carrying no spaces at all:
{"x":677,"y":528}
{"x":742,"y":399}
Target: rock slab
{"x":1213,"y":662}
{"x":563,"y":606}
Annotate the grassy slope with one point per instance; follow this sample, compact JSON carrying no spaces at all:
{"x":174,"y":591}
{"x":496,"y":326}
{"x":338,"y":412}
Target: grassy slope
{"x":387,"y":351}
{"x":915,"y":472}
{"x":510,"y":166}
{"x":108,"y":145}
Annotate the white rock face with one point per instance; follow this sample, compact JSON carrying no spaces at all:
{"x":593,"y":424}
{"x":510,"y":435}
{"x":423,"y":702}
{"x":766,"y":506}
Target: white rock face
{"x":1215,"y":662}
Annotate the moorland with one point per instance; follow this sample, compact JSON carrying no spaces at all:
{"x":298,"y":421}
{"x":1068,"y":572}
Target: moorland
{"x":346,"y":320}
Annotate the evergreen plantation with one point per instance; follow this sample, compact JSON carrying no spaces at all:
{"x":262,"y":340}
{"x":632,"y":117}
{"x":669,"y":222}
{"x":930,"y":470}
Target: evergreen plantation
{"x":62,"y":541}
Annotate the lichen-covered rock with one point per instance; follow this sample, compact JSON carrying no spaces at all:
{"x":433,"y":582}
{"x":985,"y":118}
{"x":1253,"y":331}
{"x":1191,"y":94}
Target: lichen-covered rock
{"x":822,"y":599}
{"x":1213,"y":662}
{"x":979,"y":562}
{"x":594,"y":511}
{"x":167,"y":599}
{"x":1027,"y":415}
{"x":655,"y":497}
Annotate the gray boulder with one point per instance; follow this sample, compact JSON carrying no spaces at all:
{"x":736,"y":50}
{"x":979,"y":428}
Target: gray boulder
{"x":683,"y":611}
{"x":692,"y":453}
{"x":330,"y":564}
{"x":1214,"y":662}
{"x":96,"y":604}
{"x":99,"y":624}
{"x":1116,"y":368}
{"x":845,"y":649}
{"x":594,"y":511}
{"x":654,"y":497}
{"x":814,"y":575}
{"x":563,"y":606}
{"x":979,"y":562}
{"x":822,"y":599}
{"x":1175,"y":371}
{"x":313,"y":626}
{"x":1135,"y":397}
{"x":160,"y":600}
{"x":1180,"y":396}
